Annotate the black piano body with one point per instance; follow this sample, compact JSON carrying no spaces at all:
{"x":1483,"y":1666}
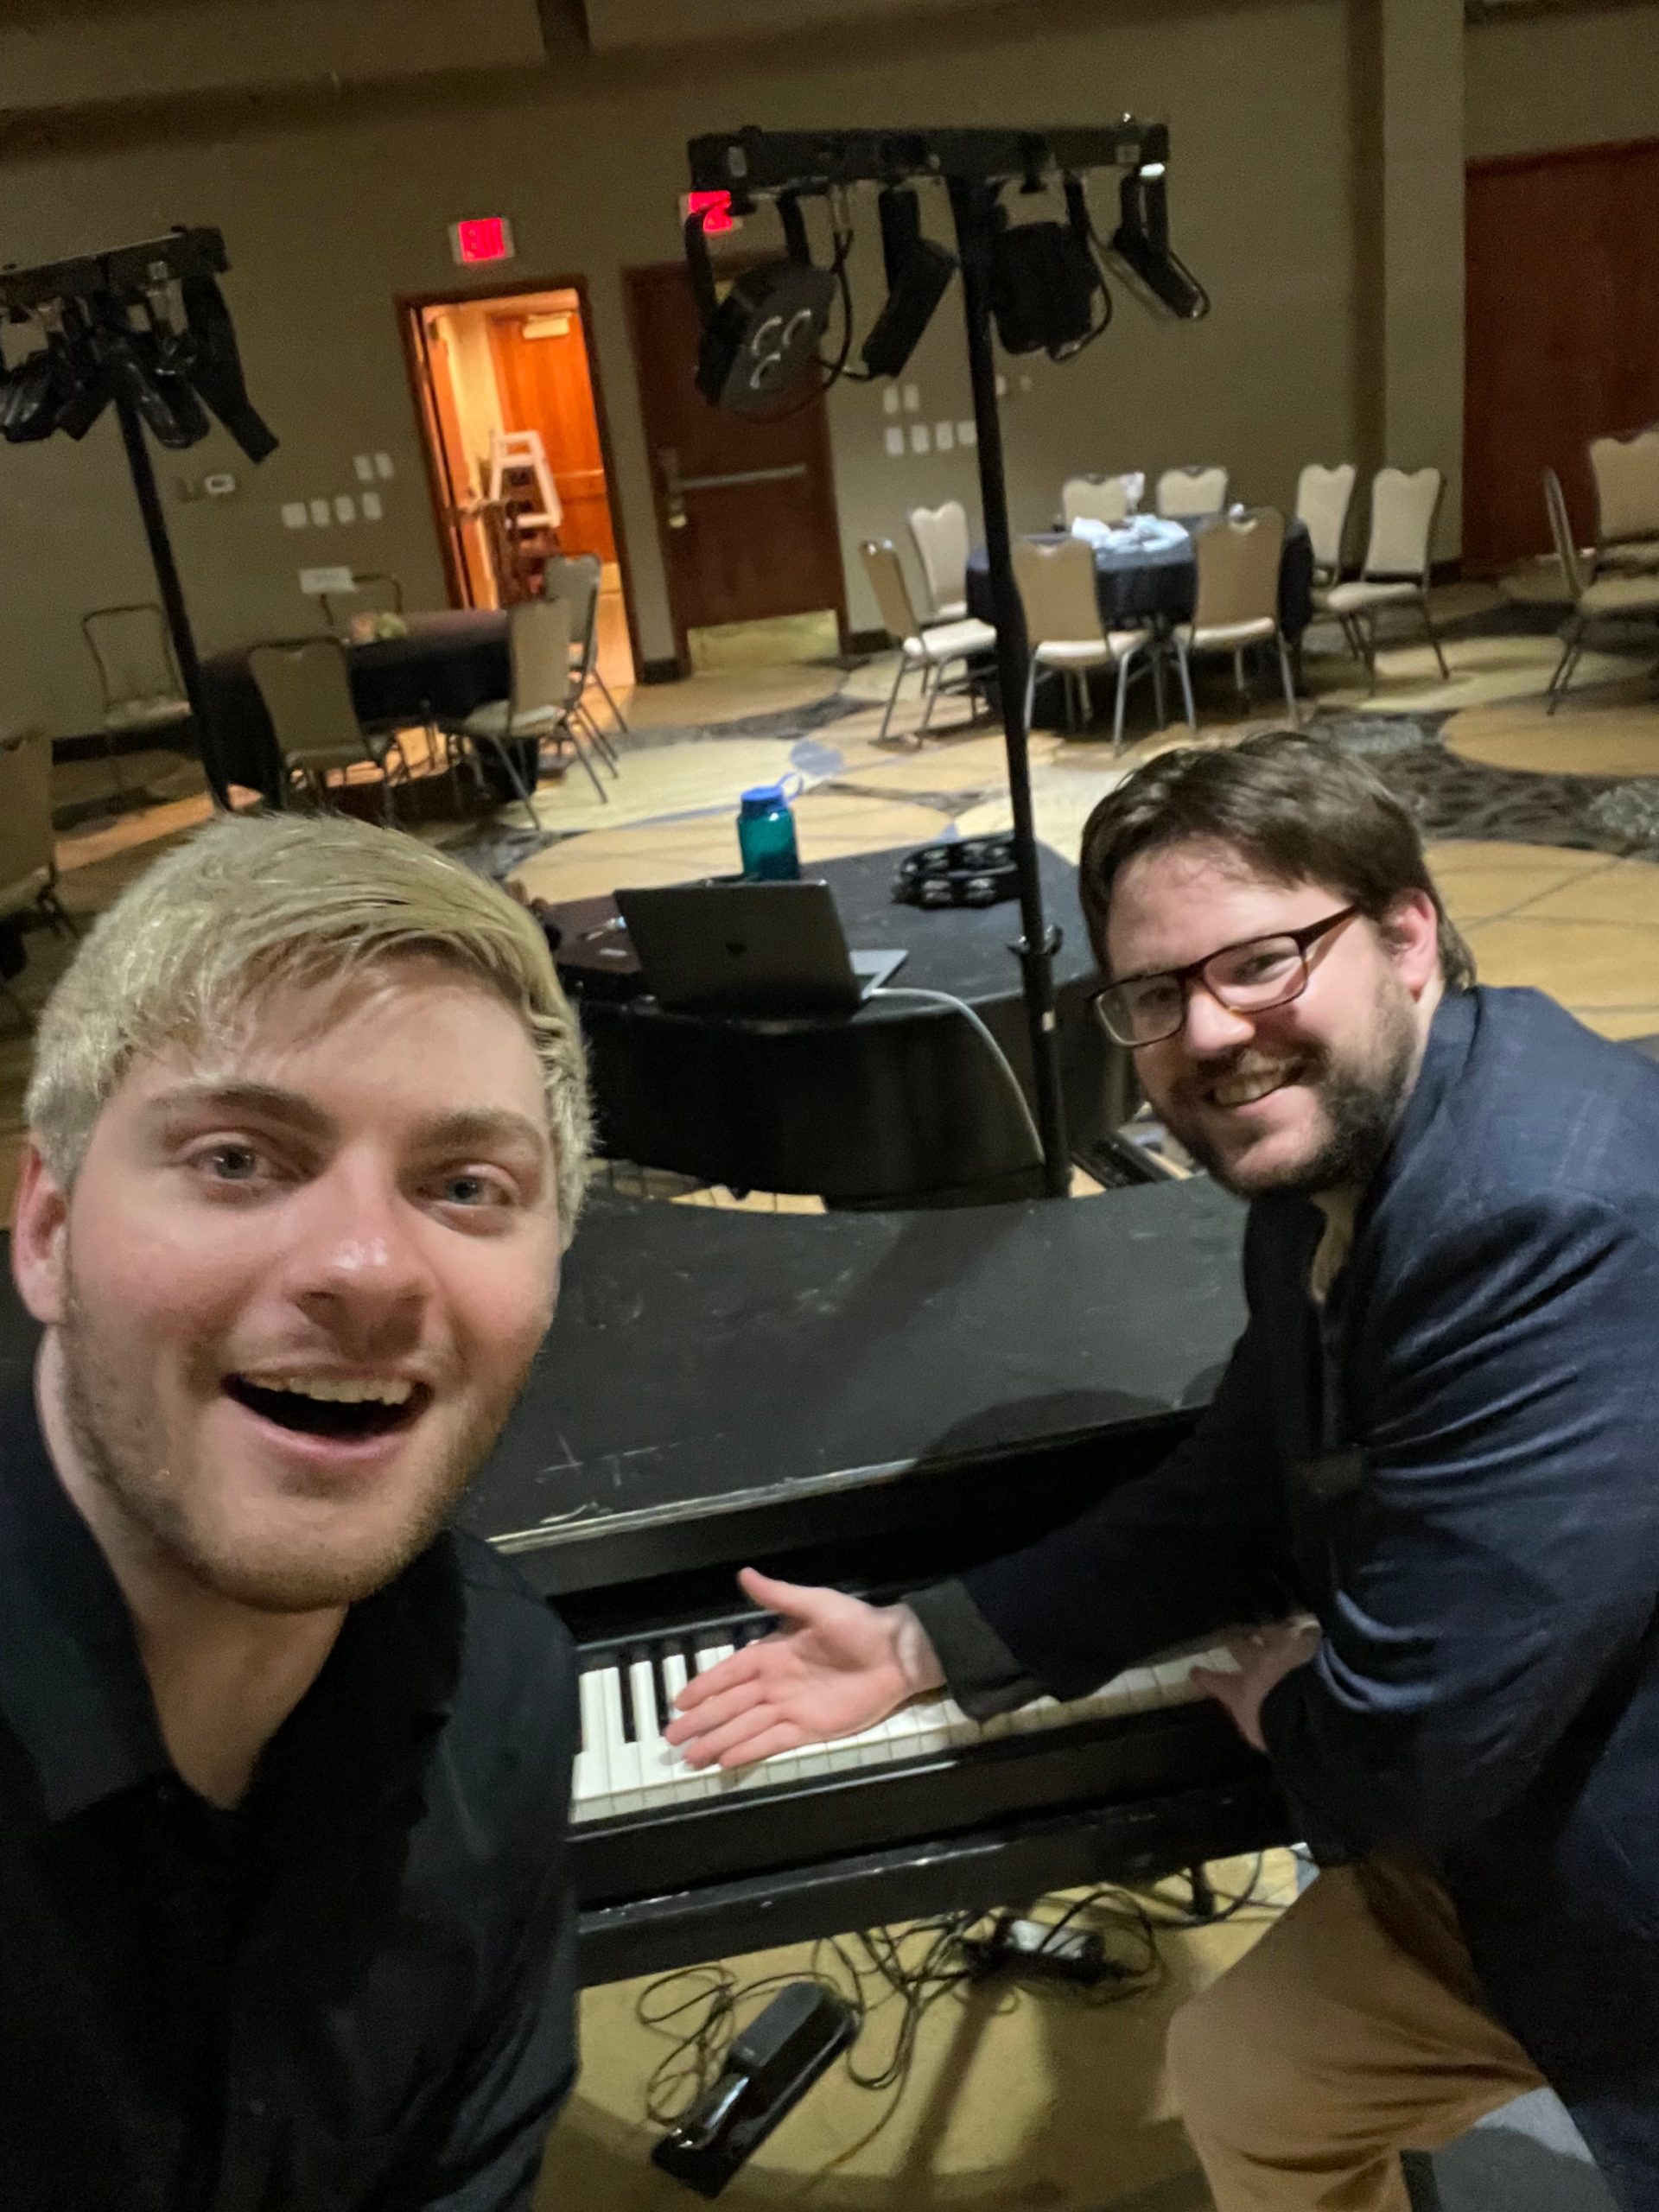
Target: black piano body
{"x":874,"y":1401}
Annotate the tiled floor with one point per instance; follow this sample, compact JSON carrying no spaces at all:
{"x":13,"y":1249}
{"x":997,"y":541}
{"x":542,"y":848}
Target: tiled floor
{"x":1036,"y":2105}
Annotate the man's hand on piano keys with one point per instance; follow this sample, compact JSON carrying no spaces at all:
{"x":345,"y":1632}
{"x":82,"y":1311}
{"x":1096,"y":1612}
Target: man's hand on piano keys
{"x":1264,"y":1657}
{"x":836,"y":1666}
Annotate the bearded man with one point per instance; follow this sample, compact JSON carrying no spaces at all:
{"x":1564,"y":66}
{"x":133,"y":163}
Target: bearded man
{"x":1437,"y":1434}
{"x":285,"y":1763}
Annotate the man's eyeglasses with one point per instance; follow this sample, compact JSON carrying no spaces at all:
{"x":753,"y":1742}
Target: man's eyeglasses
{"x":1262,"y":972}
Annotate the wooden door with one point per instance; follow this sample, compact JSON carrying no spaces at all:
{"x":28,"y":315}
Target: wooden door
{"x":542,"y":374}
{"x":1562,"y":337}
{"x":465,"y":558}
{"x":746,"y":510}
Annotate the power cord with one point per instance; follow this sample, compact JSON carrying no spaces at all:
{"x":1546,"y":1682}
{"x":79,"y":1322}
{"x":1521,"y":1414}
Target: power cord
{"x":945,"y":998}
{"x":700,"y":2009}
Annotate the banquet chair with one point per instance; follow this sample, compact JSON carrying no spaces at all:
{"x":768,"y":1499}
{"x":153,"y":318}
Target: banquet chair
{"x":544,"y":691}
{"x":940,"y":536}
{"x":1188,"y":494}
{"x":1239,"y":558}
{"x":1323,"y":496}
{"x":143,"y":693}
{"x":28,"y":868}
{"x":313,"y":719}
{"x":1398,"y":557}
{"x":1625,"y":471}
{"x":933,"y":647}
{"x":1603,"y":599}
{"x":1064,"y":633}
{"x":574,"y":577}
{"x":1095,"y":499}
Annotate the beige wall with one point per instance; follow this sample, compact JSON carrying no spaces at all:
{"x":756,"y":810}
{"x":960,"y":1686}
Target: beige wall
{"x":327,"y":222}
{"x":1579,"y":79}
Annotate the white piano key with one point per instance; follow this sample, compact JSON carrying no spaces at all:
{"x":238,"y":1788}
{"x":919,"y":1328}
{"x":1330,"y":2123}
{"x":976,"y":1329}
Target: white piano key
{"x":591,"y":1780}
{"x":657,"y":1763}
{"x":932,"y":1727}
{"x":623,"y":1757}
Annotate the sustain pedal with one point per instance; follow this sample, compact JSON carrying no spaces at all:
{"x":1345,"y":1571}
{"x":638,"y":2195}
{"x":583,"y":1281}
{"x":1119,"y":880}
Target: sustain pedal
{"x":770,"y":2068}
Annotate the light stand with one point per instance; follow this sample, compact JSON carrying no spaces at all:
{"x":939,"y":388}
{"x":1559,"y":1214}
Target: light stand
{"x":1039,"y":939}
{"x":974,"y":167}
{"x":142,"y":327}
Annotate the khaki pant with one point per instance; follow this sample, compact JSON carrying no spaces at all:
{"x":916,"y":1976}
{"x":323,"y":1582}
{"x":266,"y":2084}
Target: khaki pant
{"x":1353,"y":2030}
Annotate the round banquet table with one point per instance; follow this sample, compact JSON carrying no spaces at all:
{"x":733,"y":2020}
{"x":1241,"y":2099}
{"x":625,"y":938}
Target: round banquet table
{"x":449,"y":663}
{"x":898,"y":1104}
{"x":1136,"y":583}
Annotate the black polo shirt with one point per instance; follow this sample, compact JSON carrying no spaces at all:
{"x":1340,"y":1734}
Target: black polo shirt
{"x":357,"y":1990}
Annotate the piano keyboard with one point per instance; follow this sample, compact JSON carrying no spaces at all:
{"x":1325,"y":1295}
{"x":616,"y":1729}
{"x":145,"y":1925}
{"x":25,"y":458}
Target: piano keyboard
{"x":625,"y":1767}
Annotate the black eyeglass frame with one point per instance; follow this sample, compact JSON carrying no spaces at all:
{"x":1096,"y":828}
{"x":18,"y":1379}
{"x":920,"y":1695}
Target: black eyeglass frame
{"x":1303,"y":939}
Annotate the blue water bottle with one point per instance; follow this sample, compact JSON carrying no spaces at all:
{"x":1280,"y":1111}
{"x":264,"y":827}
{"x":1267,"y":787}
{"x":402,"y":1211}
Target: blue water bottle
{"x":765,"y":832}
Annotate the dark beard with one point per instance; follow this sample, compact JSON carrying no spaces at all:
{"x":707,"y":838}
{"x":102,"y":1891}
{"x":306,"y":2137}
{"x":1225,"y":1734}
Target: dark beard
{"x":1362,"y":1112}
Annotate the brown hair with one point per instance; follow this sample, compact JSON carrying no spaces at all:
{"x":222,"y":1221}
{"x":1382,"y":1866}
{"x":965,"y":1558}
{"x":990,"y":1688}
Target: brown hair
{"x":1292,"y":807}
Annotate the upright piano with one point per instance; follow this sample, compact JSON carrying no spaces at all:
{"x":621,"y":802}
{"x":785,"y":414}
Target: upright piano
{"x":873,"y":1401}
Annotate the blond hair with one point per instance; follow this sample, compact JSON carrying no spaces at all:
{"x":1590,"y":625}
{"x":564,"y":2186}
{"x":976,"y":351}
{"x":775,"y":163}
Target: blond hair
{"x":257,"y":903}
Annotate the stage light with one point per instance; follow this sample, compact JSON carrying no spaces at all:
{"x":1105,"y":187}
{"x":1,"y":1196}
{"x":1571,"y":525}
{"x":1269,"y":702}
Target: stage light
{"x":1047,"y":294}
{"x":761,"y":337}
{"x":1141,"y":245}
{"x":918,"y":272}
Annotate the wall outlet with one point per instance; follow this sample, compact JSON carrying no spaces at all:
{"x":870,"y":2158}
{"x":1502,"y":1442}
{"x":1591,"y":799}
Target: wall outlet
{"x":321,"y":513}
{"x":373,"y":506}
{"x":364,"y":464}
{"x":295,"y":514}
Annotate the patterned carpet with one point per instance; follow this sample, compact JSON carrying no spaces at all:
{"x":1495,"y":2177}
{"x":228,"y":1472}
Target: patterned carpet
{"x":1454,"y":797}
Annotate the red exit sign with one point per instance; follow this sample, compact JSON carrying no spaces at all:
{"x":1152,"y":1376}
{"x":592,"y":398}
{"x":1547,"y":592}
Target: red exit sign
{"x":716,"y":209}
{"x":481,"y":237}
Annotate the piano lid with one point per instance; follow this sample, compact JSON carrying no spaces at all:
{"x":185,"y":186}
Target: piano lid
{"x":706,"y":1361}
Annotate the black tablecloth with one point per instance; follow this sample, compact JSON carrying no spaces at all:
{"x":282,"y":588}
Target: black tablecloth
{"x":901,"y":1100}
{"x":1136,"y":583}
{"x":448,"y":665}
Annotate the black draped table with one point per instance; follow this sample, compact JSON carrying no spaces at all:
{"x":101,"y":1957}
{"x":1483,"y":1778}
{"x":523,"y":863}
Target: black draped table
{"x":1137,"y":583}
{"x":900,"y":1101}
{"x":449,"y":663}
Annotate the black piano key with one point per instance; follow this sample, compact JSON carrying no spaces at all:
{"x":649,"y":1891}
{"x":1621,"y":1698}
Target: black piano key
{"x":659,"y":1688}
{"x":630,"y":1733}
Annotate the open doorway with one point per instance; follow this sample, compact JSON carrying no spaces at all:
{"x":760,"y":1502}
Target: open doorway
{"x":513,"y":425}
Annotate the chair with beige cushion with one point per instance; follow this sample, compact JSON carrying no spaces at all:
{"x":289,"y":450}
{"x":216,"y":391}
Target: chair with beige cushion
{"x":1626,"y":474}
{"x":143,"y":695}
{"x":932,"y":647}
{"x":940,"y":535}
{"x":545,"y":691}
{"x":1599,"y":599}
{"x":1063,"y":631}
{"x":1399,"y":555}
{"x":1323,"y":496}
{"x":1095,"y":499}
{"x":307,"y":696}
{"x":1189,"y":494}
{"x":1239,"y":558}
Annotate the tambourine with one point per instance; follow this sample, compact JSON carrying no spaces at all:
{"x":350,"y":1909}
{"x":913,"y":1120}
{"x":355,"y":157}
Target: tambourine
{"x":967,"y":872}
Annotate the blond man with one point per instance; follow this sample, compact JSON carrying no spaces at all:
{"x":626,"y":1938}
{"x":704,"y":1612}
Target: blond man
{"x":284,"y":1761}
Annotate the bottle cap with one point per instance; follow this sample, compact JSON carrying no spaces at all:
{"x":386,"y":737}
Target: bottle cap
{"x":759,"y":796}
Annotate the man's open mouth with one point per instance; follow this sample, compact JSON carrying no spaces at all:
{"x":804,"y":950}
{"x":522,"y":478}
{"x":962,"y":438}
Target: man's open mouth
{"x":350,"y":1408}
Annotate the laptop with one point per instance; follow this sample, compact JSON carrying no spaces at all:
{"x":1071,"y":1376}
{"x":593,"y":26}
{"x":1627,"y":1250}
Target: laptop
{"x":769,"y":950}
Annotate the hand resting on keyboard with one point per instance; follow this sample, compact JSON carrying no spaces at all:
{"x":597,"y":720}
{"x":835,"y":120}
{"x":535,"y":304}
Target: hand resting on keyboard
{"x":837,"y":1666}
